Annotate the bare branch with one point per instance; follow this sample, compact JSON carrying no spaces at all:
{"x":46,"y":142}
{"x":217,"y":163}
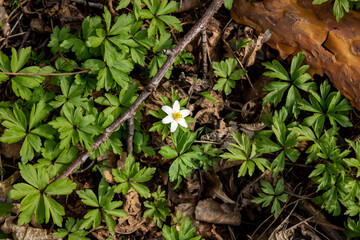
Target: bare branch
{"x":130,"y":135}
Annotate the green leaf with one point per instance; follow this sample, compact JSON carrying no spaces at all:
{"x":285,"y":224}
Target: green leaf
{"x":168,"y":152}
{"x":60,"y":187}
{"x":123,"y":4}
{"x":18,"y":61}
{"x":21,"y":190}
{"x":57,"y":37}
{"x":5,"y":208}
{"x":93,"y":218}
{"x":228,"y":4}
{"x":54,"y":209}
{"x":29,"y":205}
{"x":208,"y":96}
{"x":88,"y":197}
{"x":141,"y":189}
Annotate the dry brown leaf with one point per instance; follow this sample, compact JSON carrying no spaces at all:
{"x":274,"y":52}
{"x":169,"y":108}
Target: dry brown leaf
{"x":209,"y":109}
{"x":186,"y":209}
{"x":214,"y":34}
{"x":187,"y":192}
{"x":307,"y":231}
{"x":112,"y":161}
{"x":11,"y":151}
{"x":4,"y":19}
{"x":256,"y":45}
{"x":211,"y":211}
{"x":134,"y":221}
{"x":214,"y":187}
{"x":7,"y":185}
{"x":222,"y":134}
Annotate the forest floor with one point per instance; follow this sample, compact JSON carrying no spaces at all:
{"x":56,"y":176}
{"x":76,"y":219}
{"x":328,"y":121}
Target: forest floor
{"x":218,"y":202}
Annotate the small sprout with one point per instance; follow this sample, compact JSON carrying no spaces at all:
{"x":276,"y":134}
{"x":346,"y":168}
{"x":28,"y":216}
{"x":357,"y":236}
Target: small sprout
{"x":175,"y":116}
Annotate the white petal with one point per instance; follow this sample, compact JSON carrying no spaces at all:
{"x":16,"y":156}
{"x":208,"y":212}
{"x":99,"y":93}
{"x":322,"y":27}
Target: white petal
{"x":174,"y":126}
{"x":167,"y":119}
{"x":176,"y":106}
{"x":185,"y":113}
{"x":167,"y":109}
{"x":182,"y":122}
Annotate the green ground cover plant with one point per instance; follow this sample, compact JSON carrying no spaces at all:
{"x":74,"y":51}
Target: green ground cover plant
{"x":93,"y":75}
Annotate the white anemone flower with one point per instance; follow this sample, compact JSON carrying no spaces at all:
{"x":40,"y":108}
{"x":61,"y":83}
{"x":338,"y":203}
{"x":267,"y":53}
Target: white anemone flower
{"x":175,"y":116}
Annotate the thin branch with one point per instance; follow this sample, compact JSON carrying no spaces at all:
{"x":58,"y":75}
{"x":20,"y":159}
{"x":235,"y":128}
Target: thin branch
{"x":12,"y":29}
{"x":130,"y":135}
{"x":215,"y":5}
{"x":204,"y":47}
{"x":15,"y":35}
{"x":46,"y":74}
{"x":69,"y":63}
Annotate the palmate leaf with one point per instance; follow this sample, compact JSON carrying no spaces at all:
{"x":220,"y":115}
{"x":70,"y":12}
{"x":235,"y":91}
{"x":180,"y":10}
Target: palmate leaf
{"x":340,"y":7}
{"x":165,"y":42}
{"x":132,"y":176}
{"x":77,"y":44}
{"x":104,"y":205}
{"x":326,"y":105}
{"x":246,"y":152}
{"x":298,"y":79}
{"x":272,"y":195}
{"x":352,"y":228}
{"x":228,"y":4}
{"x":22,"y":84}
{"x":186,"y":231}
{"x":57,"y":37}
{"x":72,"y":230}
{"x":157,"y":210}
{"x":72,"y":94}
{"x":35,"y":194}
{"x":285,"y":145}
{"x":226,"y":71}
{"x":74,"y":127}
{"x":21,"y":125}
{"x":116,"y":73}
{"x":159,"y":15}
{"x":5,"y":208}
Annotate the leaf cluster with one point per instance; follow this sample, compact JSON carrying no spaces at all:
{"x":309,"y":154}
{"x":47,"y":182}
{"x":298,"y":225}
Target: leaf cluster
{"x":104,"y":207}
{"x":158,"y":209}
{"x":244,"y":151}
{"x":228,"y":75}
{"x":271,"y":195}
{"x":36,"y":195}
{"x":185,"y":232}
{"x":132,"y":176}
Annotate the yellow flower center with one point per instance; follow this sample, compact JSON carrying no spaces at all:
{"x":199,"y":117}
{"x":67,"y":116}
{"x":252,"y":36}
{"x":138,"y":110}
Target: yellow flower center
{"x":177,"y":116}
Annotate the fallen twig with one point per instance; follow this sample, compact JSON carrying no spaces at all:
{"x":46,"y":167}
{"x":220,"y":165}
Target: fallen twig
{"x":204,"y":48}
{"x":215,"y":5}
{"x":130,"y":135}
{"x":12,"y":29}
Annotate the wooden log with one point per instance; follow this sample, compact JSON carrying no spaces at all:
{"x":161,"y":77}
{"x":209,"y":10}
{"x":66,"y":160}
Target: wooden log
{"x":330,"y":47}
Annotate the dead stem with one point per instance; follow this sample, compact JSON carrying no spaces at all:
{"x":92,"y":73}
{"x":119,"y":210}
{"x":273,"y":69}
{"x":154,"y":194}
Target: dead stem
{"x":204,"y":48}
{"x":130,"y":135}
